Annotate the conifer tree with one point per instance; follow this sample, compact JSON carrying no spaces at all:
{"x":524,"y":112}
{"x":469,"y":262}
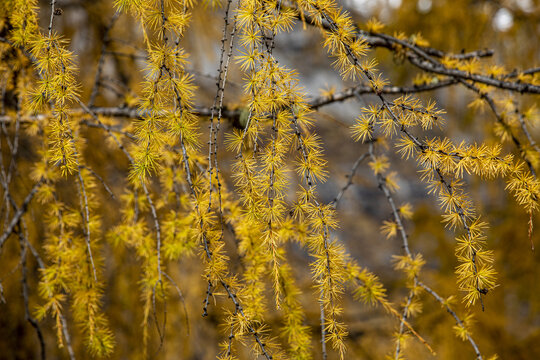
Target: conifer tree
{"x":141,"y":190}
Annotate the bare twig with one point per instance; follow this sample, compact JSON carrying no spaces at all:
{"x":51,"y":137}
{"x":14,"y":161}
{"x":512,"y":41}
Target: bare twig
{"x":350,"y":177}
{"x":22,"y":210}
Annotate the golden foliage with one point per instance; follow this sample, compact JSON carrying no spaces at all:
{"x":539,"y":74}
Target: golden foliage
{"x":229,"y":221}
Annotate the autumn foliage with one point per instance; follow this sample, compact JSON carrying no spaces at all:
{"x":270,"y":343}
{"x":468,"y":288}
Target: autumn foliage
{"x":165,"y":159}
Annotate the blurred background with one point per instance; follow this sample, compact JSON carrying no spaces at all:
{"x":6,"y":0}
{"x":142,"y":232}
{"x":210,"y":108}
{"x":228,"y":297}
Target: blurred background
{"x":510,"y":324}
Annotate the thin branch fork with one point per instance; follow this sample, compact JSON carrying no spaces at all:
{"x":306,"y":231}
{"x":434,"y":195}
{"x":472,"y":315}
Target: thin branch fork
{"x":405,"y":240}
{"x":18,"y":215}
{"x":375,"y":40}
{"x":423,"y":58}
